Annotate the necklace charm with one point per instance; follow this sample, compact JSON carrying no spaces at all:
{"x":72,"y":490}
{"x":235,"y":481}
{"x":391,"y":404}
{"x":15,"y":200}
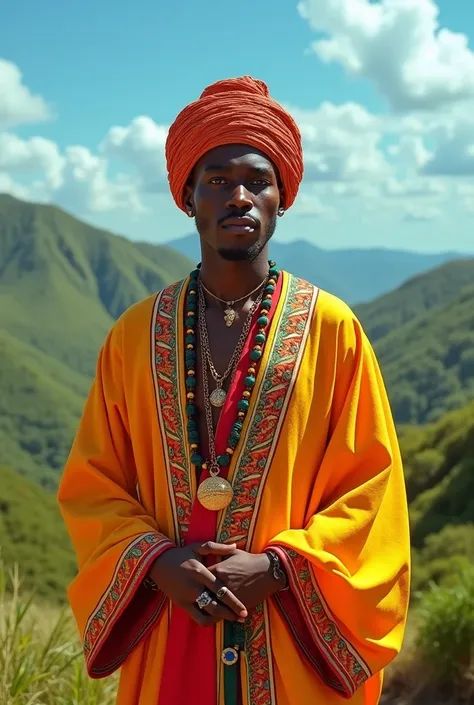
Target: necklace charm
{"x":229,"y":316}
{"x":218,"y":397}
{"x":215,"y":493}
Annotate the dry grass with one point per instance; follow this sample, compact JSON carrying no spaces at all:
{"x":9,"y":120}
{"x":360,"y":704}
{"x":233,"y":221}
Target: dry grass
{"x":40,"y":659}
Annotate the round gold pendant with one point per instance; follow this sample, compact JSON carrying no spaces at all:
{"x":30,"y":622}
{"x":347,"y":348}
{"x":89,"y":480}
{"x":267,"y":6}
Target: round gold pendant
{"x":218,"y":397}
{"x":215,"y":493}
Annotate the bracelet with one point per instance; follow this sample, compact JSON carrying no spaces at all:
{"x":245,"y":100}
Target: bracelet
{"x":150,"y":583}
{"x":277,"y":570}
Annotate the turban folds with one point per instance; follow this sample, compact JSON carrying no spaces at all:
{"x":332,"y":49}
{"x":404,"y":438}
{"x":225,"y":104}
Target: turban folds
{"x":235,"y":110}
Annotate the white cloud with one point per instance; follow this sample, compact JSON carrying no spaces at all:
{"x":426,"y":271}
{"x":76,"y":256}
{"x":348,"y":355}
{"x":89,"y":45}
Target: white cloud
{"x":419,"y":188}
{"x":341,"y":143}
{"x":397,"y":44}
{"x":35,"y":155}
{"x":87,"y":187}
{"x":454,"y":153}
{"x":141,"y":144}
{"x":420,"y":213}
{"x":309,"y":204}
{"x":411,"y":151}
{"x":18,"y":105}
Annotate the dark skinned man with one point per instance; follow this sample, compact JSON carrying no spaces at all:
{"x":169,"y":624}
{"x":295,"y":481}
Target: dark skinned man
{"x":235,"y":491}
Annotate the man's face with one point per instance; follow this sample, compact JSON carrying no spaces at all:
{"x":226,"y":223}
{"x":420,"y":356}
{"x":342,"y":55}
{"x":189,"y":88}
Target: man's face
{"x":235,"y":197}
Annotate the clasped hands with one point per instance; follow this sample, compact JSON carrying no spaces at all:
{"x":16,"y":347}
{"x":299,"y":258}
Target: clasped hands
{"x":243,"y":581}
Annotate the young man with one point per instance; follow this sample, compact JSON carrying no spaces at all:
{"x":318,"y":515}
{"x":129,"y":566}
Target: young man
{"x":235,"y":492}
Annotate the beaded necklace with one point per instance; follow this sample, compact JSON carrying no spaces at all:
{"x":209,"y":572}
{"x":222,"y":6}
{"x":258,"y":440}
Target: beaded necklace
{"x":215,"y":492}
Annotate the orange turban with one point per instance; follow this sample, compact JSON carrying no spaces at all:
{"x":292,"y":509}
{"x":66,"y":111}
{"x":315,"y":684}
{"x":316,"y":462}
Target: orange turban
{"x":236,"y":110}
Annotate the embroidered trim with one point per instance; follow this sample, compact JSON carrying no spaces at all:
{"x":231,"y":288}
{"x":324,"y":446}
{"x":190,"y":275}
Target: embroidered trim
{"x":131,"y":567}
{"x":340,"y":657}
{"x":255,"y":460}
{"x":165,"y":349}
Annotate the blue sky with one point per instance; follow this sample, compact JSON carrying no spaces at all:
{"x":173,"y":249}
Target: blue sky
{"x":383,"y":99}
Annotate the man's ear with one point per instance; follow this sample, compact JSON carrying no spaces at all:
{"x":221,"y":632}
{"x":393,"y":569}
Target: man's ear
{"x":281,"y":207}
{"x":189,"y":200}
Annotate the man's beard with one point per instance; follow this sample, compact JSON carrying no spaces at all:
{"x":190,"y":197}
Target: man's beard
{"x":244,"y":253}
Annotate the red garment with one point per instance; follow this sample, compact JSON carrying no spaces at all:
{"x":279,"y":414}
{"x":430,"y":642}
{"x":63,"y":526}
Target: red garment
{"x":190,"y":668}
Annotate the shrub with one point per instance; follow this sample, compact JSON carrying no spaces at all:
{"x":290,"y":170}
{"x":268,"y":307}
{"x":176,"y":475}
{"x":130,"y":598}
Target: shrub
{"x":445,"y":639}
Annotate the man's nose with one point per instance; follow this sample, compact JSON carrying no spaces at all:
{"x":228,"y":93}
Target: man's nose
{"x":240,"y":198}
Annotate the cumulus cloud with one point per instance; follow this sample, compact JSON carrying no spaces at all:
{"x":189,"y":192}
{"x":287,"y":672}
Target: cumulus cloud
{"x":140,"y":144}
{"x":18,"y":105}
{"x":397,"y":44}
{"x":308,"y":204}
{"x":341,"y":143}
{"x":454,"y":153}
{"x":33,"y":156}
{"x":87,"y":186}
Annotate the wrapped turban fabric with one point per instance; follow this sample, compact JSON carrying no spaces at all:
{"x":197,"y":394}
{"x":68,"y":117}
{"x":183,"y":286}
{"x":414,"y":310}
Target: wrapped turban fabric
{"x":234,"y":111}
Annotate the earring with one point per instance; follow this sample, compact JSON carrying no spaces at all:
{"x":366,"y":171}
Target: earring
{"x":281,"y":211}
{"x":190,"y":212}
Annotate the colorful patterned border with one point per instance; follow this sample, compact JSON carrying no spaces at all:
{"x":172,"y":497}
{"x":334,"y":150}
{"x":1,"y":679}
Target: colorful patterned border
{"x":346,"y":671}
{"x":130,"y":571}
{"x":168,"y":400}
{"x":255,"y":460}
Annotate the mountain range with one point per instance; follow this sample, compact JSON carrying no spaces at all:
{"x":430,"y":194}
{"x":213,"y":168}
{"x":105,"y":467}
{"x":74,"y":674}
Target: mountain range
{"x":62,"y":285}
{"x":356,"y":275}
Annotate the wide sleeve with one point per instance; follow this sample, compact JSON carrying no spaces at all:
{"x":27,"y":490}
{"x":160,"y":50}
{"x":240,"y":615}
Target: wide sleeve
{"x":115,"y":540}
{"x":349,"y":567}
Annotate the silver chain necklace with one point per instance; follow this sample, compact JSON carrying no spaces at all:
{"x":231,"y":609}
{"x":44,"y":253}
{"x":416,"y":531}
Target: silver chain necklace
{"x":218,"y":395}
{"x":229,"y":313}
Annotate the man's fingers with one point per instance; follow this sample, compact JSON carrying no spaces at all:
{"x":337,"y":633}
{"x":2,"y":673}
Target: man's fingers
{"x":205,"y":578}
{"x":215,"y":549}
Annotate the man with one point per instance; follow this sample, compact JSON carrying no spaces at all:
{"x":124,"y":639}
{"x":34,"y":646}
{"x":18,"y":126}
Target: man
{"x":235,"y":492}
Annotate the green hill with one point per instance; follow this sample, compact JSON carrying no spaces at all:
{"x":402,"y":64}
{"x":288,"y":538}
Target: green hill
{"x":33,"y":535}
{"x":63,"y":282}
{"x":439,"y":470}
{"x":428,"y":363}
{"x":62,"y":285}
{"x":417,"y":296}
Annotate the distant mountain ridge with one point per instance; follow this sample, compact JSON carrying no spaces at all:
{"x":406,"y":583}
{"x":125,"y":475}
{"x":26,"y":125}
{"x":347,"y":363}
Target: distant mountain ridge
{"x":355,"y":275}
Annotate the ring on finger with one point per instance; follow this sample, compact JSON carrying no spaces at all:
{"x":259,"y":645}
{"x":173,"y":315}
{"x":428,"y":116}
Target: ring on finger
{"x":221,"y":593}
{"x":204,"y":599}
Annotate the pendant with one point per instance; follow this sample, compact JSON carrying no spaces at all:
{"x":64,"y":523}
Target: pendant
{"x":229,"y":316}
{"x":215,"y":493}
{"x":218,"y":397}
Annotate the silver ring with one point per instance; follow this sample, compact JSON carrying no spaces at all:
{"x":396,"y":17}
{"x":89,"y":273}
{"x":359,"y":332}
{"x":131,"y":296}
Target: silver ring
{"x":221,"y":593}
{"x":204,"y":599}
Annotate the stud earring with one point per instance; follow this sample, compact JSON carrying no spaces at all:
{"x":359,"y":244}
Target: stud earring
{"x":281,"y":211}
{"x":190,"y":212}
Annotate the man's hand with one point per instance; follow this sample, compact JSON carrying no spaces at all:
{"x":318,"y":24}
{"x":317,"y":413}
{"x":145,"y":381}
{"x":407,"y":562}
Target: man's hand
{"x":248,"y":575}
{"x":181,"y":576}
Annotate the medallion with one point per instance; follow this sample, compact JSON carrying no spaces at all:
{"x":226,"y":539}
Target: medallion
{"x":218,"y":397}
{"x":215,"y":493}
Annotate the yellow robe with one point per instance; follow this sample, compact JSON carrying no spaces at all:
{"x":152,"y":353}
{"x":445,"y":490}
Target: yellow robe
{"x":317,"y":474}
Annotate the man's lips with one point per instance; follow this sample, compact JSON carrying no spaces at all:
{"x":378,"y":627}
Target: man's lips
{"x":245,"y":224}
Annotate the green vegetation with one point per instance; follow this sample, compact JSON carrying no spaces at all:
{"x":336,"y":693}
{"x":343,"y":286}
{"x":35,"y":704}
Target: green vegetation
{"x":437,"y":662}
{"x":428,"y":363}
{"x":33,"y":534}
{"x":41,"y":660}
{"x":62,"y":285}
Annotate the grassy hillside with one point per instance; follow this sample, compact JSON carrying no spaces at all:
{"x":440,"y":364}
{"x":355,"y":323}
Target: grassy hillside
{"x":417,"y":296}
{"x":63,"y":282}
{"x":62,"y":285}
{"x":428,"y":363}
{"x":32,"y":534}
{"x":40,"y":403}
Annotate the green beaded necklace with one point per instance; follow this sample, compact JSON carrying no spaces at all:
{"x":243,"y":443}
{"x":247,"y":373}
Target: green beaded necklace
{"x":190,"y":369}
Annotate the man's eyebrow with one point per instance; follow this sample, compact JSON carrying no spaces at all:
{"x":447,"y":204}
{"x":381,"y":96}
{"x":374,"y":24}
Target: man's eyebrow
{"x":261,"y":170}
